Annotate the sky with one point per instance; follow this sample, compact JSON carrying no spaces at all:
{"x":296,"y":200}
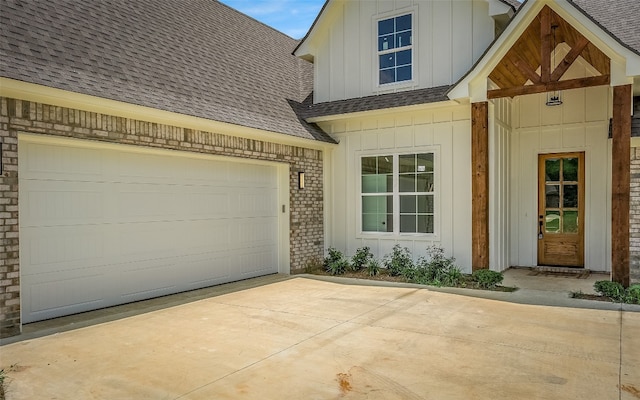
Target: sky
{"x":292,"y":17}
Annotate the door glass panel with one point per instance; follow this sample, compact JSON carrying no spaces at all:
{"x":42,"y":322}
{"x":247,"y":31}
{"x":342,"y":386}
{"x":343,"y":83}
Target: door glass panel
{"x":425,"y":182}
{"x":552,"y":222}
{"x":570,"y":196}
{"x":425,"y":162}
{"x":570,"y":222}
{"x":552,"y":169}
{"x":570,"y":169}
{"x":552,"y":196}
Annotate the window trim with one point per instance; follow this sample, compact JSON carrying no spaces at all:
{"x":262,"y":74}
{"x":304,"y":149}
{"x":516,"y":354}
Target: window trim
{"x":376,"y":54}
{"x":396,"y":153}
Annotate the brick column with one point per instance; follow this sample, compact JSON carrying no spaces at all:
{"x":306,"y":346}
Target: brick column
{"x":9,"y":241}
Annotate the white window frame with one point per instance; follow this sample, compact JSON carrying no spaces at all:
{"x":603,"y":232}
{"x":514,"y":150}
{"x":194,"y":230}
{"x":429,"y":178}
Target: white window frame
{"x":378,"y":53}
{"x":396,"y":194}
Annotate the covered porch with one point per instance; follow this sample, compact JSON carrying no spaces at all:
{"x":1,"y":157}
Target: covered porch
{"x":551,"y":106}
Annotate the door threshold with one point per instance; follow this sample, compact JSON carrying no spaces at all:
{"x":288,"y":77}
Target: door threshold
{"x":564,"y":270}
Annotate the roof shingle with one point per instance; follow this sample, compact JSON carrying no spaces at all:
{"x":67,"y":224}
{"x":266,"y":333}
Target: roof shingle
{"x":196,"y":57}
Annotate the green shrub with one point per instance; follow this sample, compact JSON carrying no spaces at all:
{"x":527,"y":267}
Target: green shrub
{"x":361,"y":258}
{"x":335,"y":262}
{"x":632,"y":294}
{"x":486,"y":279}
{"x":373,"y":267}
{"x":436,"y":269}
{"x":399,"y":260}
{"x":614,"y":290}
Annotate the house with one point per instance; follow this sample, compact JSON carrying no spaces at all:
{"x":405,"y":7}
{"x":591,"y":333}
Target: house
{"x":153,"y":147}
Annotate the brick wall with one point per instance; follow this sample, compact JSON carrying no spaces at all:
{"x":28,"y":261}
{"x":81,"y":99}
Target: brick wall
{"x":306,"y":207}
{"x":634,"y":216}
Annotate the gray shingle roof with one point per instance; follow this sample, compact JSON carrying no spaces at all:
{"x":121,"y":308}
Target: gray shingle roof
{"x":376,"y":102}
{"x":195,"y":57}
{"x":621,"y":18}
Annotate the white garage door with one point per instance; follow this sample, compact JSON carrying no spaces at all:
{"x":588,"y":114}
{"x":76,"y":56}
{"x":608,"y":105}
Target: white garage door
{"x":108,"y":225}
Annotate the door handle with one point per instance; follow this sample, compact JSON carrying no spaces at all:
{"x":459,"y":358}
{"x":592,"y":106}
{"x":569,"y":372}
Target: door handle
{"x":540,"y":227}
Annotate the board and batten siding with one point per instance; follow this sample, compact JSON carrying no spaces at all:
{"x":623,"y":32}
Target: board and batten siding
{"x":580,"y":124}
{"x":446,"y":132}
{"x":448,"y":37}
{"x":500,"y":117}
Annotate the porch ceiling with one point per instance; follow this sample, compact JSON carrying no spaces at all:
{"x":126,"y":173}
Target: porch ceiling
{"x":527,"y":66}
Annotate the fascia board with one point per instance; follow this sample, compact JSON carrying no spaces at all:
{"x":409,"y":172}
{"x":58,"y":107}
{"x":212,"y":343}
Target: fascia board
{"x":20,"y":90}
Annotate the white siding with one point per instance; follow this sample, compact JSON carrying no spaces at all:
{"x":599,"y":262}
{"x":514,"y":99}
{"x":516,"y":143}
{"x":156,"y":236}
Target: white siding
{"x":499,"y":183}
{"x":445,"y":131}
{"x":449,"y":36}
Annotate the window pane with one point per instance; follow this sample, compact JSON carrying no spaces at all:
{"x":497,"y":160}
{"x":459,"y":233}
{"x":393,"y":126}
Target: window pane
{"x":385,"y":26}
{"x":570,"y":222}
{"x":570,"y":196}
{"x":389,"y":224}
{"x":387,"y":60}
{"x":408,"y":204}
{"x":407,"y":163}
{"x":425,"y":204}
{"x":407,"y":183}
{"x":385,"y":42}
{"x":403,"y":57}
{"x":373,"y":223}
{"x":385,"y":164}
{"x":570,"y":169}
{"x":553,"y":196}
{"x":408,"y":223}
{"x":425,"y":182}
{"x":403,"y":22}
{"x":552,"y":220}
{"x":368,"y":165}
{"x":403,"y":39}
{"x":425,"y":223}
{"x":552,"y":170}
{"x":370,"y":204}
{"x":387,"y":76}
{"x":403,"y":74}
{"x":425,"y":162}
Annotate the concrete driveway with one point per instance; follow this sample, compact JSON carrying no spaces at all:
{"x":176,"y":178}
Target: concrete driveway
{"x":309,"y":339}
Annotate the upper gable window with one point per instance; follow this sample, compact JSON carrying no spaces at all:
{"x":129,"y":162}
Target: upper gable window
{"x":395,"y":53}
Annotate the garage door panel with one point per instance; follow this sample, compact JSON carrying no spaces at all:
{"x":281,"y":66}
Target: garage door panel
{"x":119,"y":226}
{"x":61,"y":203}
{"x":205,"y":269}
{"x":62,"y":296}
{"x":149,"y":278}
{"x":49,"y":249}
{"x":61,"y":163}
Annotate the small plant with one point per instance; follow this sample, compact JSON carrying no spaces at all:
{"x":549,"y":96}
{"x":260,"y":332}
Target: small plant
{"x":313,"y":265}
{"x":361,"y":258}
{"x":373,"y":267}
{"x":632,"y":295}
{"x":335,"y":262}
{"x":398,"y":261}
{"x":487,"y":279}
{"x":613,"y":290}
{"x":2,"y":378}
{"x":436,"y":269}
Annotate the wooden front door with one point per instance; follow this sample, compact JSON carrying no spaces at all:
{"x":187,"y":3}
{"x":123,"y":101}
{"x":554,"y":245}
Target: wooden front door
{"x":561,"y":209}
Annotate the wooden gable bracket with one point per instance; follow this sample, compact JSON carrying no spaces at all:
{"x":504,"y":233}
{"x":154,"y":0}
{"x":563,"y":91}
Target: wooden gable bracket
{"x":534,"y":50}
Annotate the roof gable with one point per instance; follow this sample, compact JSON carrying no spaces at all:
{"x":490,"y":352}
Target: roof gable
{"x":198,"y":57}
{"x":625,"y":60}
